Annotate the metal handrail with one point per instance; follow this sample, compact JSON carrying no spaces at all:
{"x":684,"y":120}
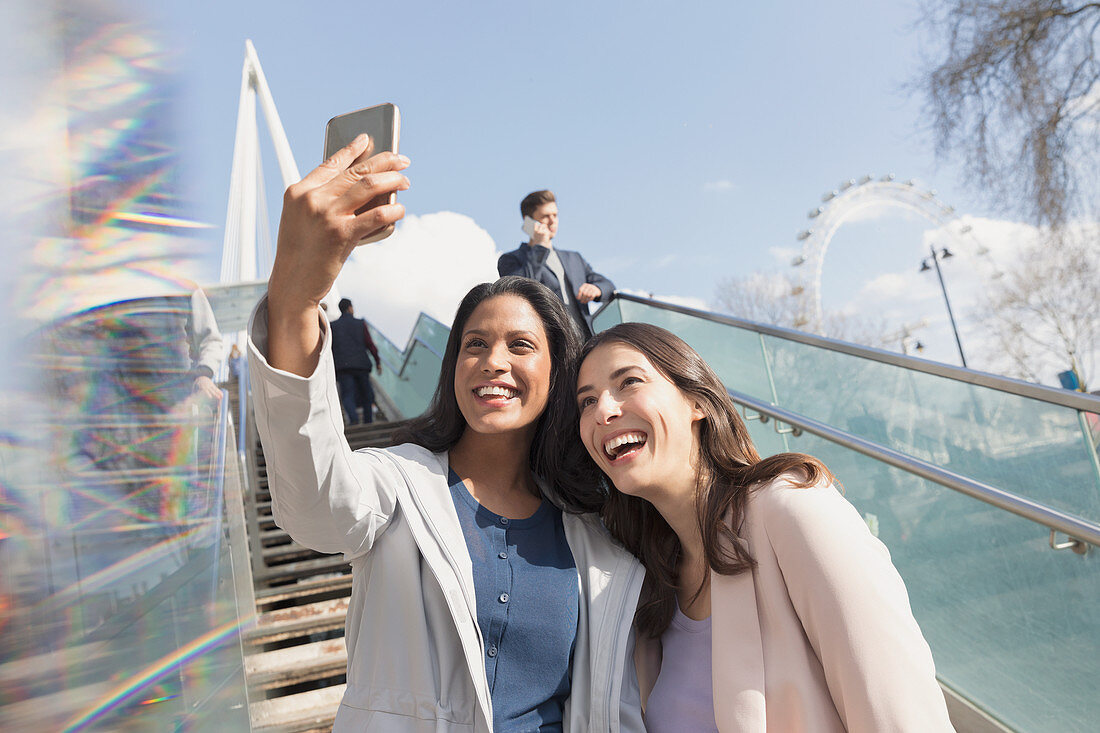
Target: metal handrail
{"x":244,"y":390}
{"x":389,"y":364}
{"x":1066,"y":398}
{"x":1075,"y":527}
{"x":221,"y":437}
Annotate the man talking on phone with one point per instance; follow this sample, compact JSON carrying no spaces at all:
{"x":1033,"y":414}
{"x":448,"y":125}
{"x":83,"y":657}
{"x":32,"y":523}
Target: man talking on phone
{"x":563,"y":271}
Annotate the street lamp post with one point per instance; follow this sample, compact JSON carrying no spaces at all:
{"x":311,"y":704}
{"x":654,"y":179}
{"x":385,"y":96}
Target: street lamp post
{"x":936,"y":257}
{"x":904,"y":336}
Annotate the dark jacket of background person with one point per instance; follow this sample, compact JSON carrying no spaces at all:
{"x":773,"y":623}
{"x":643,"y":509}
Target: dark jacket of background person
{"x":530,"y":261}
{"x":351,"y":341}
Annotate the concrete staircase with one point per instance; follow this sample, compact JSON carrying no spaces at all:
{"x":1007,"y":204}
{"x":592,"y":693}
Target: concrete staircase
{"x":295,"y":657}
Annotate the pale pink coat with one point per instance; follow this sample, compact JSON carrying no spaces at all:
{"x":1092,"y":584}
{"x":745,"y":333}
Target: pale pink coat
{"x":820,"y":635}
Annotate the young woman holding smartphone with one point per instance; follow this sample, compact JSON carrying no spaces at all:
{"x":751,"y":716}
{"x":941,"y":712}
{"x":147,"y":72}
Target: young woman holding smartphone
{"x":477,"y":604}
{"x":767,"y":604}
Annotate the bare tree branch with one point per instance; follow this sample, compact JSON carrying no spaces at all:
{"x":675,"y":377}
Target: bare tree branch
{"x":1014,"y":96}
{"x":1045,"y":313}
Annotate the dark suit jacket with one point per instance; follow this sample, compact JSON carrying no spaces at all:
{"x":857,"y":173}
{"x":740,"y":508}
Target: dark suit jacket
{"x":530,"y":261}
{"x":351,"y":341}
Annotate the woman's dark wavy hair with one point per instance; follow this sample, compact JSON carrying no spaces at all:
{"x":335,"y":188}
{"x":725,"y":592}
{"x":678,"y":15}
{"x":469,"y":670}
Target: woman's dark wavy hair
{"x":728,"y":469}
{"x":442,"y":424}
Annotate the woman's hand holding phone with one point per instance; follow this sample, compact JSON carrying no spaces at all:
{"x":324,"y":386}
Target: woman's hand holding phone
{"x":318,"y":230}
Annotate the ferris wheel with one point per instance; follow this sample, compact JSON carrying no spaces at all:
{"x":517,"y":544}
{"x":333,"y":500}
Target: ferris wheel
{"x":853,"y":196}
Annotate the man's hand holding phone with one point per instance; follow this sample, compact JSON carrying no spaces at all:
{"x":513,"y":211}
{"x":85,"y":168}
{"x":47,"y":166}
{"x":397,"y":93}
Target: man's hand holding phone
{"x":537,"y":231}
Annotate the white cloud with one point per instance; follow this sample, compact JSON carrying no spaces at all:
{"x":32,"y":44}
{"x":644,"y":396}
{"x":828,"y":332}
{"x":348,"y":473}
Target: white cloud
{"x":988,"y":247}
{"x":427,"y":265}
{"x":1002,"y":238}
{"x":887,"y":285}
{"x":721,"y":185}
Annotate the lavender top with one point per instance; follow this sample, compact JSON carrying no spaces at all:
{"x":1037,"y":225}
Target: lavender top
{"x":682,"y":698}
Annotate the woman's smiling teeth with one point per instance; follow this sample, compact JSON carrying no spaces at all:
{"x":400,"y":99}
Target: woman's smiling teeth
{"x":620,"y":445}
{"x":496,"y":391}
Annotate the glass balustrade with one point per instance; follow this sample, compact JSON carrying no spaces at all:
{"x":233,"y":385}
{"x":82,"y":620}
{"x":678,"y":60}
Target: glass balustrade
{"x":409,"y":376}
{"x":1013,"y":624}
{"x":124,"y":586}
{"x":433,"y":333}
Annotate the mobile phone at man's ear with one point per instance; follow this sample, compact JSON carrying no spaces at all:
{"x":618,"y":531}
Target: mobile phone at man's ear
{"x":383,"y":123}
{"x":529,"y":225}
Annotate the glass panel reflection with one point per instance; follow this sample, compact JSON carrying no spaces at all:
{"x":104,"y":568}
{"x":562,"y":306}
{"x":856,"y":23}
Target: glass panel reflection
{"x":118,"y":589}
{"x":409,"y":377}
{"x":1025,"y":446}
{"x":121,"y":608}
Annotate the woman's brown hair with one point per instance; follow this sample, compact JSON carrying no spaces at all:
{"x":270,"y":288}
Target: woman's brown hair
{"x":728,"y":469}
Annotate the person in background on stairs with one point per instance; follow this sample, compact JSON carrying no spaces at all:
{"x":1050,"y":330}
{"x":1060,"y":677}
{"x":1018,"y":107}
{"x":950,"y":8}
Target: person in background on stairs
{"x":352,"y":349}
{"x":480,"y":601}
{"x":767,"y":604}
{"x":236,"y":363}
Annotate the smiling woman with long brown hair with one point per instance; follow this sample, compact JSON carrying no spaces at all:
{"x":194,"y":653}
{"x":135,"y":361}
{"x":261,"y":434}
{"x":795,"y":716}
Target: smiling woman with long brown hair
{"x":767,"y":604}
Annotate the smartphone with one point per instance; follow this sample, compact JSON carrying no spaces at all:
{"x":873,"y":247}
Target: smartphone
{"x":529,"y":225}
{"x":383,"y":123}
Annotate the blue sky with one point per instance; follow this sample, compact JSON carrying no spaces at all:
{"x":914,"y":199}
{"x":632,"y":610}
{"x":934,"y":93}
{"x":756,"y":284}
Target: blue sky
{"x":626,"y":110}
{"x":686,"y":141}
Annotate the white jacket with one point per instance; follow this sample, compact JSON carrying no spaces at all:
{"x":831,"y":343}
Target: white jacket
{"x":415,"y":653}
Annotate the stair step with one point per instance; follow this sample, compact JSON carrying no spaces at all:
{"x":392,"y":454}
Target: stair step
{"x":303,"y":569}
{"x":289,"y":623}
{"x":359,"y":442}
{"x":374,"y":429}
{"x":269,"y":536}
{"x":304,"y":711}
{"x":304,"y":589}
{"x":371,"y":433}
{"x":281,"y":554}
{"x":296,"y":664}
